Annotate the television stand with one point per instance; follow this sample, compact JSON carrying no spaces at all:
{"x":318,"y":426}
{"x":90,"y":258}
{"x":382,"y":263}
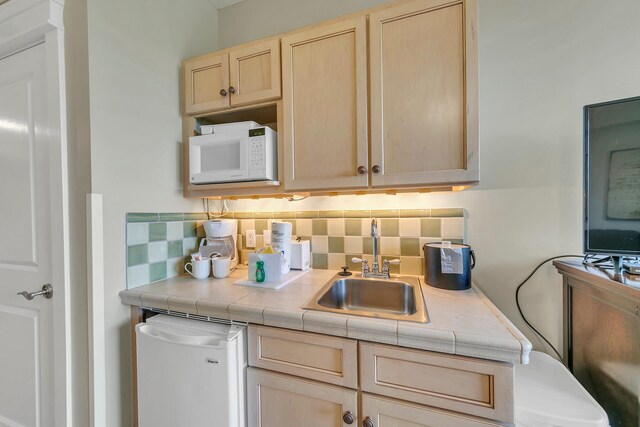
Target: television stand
{"x":617,"y":264}
{"x":601,"y":329}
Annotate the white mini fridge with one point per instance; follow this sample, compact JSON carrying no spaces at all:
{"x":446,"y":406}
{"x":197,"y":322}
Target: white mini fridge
{"x":191,"y":373}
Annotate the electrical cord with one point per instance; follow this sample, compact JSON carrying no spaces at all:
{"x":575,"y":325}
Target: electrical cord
{"x":603,"y":263}
{"x":518,"y":298}
{"x":207,"y":211}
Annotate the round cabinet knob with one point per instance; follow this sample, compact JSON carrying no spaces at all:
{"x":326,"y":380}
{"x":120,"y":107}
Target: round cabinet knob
{"x":362,"y":170}
{"x":375,"y":169}
{"x":223,"y":92}
{"x":367,"y":422}
{"x":232,"y":89}
{"x":348,"y":417}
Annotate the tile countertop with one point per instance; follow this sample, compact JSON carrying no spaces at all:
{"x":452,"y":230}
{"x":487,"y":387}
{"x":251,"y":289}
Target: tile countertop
{"x":461,"y":322}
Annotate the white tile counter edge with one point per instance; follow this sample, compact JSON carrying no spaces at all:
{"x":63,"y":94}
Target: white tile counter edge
{"x":512,"y":347}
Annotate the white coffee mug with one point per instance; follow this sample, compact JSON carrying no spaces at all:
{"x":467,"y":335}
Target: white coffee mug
{"x":200,"y":269}
{"x":221,"y":267}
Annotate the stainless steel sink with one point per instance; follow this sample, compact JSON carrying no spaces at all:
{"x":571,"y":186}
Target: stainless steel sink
{"x":397,"y":298}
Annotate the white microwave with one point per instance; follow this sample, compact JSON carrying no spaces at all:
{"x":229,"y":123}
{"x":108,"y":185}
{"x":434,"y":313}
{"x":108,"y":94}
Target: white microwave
{"x":234,"y":152}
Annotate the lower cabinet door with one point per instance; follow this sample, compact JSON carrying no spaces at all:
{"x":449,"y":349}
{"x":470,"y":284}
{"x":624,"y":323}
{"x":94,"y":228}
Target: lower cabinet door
{"x":276,"y":400}
{"x":382,"y":412}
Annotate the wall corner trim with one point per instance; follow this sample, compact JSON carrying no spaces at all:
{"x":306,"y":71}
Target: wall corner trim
{"x":96,"y":316}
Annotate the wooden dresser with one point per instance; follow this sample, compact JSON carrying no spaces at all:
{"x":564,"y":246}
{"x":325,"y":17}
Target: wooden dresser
{"x":602,"y":337}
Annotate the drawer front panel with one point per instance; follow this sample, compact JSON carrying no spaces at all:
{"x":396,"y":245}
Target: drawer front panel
{"x":321,"y":358}
{"x":480,"y":388}
{"x":329,"y":359}
{"x":446,"y":382}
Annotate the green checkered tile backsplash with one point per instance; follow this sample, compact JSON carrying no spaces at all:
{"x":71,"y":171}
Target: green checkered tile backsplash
{"x":158,"y":244}
{"x":338,"y":236}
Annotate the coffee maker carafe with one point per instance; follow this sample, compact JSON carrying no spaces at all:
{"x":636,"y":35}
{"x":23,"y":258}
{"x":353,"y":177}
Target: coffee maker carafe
{"x":221,"y":240}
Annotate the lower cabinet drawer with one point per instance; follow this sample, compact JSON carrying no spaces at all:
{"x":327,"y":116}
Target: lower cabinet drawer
{"x":456,"y":383}
{"x":392,"y":413}
{"x":318,"y":357}
{"x":277,"y":400}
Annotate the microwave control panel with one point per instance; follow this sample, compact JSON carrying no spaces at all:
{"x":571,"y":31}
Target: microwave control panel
{"x":256,"y":152}
{"x":257,"y":148}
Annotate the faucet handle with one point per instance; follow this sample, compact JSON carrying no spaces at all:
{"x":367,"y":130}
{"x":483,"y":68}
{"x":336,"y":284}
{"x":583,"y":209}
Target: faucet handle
{"x":364,"y":262}
{"x":385,"y":265}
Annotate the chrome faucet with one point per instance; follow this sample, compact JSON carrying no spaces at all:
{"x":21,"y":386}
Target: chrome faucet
{"x":375,"y":266}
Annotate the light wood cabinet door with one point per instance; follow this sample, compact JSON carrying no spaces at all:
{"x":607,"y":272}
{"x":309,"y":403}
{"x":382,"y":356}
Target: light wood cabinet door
{"x":423,"y":70}
{"x":324,"y":75}
{"x":254,"y":73}
{"x":276,"y":400}
{"x":206,"y":83}
{"x":392,"y":413}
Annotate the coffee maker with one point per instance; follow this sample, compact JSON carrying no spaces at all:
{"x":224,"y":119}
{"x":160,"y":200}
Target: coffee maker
{"x":221,"y":240}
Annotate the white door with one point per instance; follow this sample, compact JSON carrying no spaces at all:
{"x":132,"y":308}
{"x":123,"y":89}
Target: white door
{"x":26,"y":327}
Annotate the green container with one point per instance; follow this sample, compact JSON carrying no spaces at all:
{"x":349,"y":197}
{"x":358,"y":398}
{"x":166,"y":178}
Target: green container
{"x":260,"y":271}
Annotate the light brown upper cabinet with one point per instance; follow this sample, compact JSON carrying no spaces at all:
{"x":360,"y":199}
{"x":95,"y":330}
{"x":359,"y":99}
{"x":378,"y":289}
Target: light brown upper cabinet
{"x":244,"y":75}
{"x":206,"y":80}
{"x":324,"y":74}
{"x":255,"y":73}
{"x":384,"y":100}
{"x":423,"y":96}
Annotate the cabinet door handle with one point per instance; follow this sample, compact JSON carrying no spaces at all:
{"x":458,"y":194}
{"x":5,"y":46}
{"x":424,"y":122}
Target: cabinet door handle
{"x":348,"y":417}
{"x":223,"y":92}
{"x":362,"y":170}
{"x":232,"y":90}
{"x":375,"y":169}
{"x":367,"y":422}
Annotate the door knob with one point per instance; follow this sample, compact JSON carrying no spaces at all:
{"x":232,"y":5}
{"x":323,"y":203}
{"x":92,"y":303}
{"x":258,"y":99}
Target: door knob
{"x":362,"y":170}
{"x":367,"y":422}
{"x":47,"y":292}
{"x":223,"y":92}
{"x":232,"y":89}
{"x":348,"y":417}
{"x":375,"y":169}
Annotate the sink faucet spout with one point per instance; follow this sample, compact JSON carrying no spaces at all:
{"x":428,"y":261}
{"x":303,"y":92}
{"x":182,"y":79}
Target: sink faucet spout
{"x":375,"y":271}
{"x":375,"y":267}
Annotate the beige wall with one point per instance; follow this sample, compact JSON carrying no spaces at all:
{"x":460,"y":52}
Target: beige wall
{"x":540,"y":63}
{"x":254,"y":19}
{"x":135,"y":50}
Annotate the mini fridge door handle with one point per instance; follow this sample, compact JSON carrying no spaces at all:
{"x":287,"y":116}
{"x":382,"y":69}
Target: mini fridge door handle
{"x":202,"y":341}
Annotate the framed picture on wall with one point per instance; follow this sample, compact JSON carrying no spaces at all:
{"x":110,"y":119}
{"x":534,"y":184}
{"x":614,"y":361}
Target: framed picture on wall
{"x":623,"y":193}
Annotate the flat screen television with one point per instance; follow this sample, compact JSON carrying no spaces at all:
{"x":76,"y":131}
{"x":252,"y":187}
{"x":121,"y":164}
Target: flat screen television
{"x":612,"y":178}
